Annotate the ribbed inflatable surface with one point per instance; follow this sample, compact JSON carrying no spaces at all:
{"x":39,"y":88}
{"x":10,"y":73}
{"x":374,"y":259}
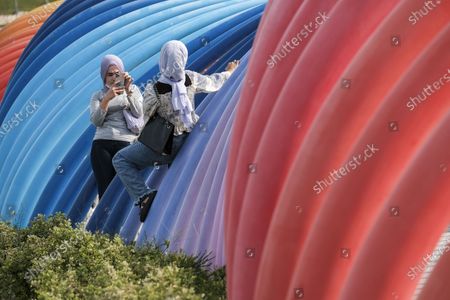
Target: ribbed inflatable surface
{"x":337,"y":179}
{"x":47,"y":136}
{"x":319,"y":171}
{"x":15,"y":36}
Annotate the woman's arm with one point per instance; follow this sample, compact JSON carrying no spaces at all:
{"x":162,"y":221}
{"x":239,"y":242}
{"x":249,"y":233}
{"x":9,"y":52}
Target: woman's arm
{"x":97,"y":114}
{"x":99,"y":104}
{"x":211,"y":83}
{"x":208,"y":83}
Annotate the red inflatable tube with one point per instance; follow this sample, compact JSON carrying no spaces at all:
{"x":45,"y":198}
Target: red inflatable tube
{"x":31,"y":20}
{"x":15,"y":36}
{"x":272,"y":32}
{"x":8,"y":60}
{"x":269,"y":175}
{"x":284,"y":232}
{"x":6,"y":71}
{"x":12,"y":52}
{"x":27,"y":34}
{"x":396,"y":244}
{"x":9,"y":54}
{"x":349,"y":205}
{"x":335,"y":138}
{"x":15,"y":46}
{"x":437,"y":287}
{"x":312,"y":85}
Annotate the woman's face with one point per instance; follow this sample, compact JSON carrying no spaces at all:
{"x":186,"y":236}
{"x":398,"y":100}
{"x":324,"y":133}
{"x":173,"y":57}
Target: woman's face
{"x":111,"y":75}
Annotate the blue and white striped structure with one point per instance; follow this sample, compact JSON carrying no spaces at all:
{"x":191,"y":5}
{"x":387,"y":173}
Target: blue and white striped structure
{"x":45,"y":164}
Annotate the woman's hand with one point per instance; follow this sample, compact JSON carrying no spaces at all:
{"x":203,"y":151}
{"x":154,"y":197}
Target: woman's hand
{"x":112,"y":92}
{"x":128,"y":82}
{"x":231,"y":67}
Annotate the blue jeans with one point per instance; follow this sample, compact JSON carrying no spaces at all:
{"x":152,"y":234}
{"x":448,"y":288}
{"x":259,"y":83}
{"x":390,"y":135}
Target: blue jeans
{"x":130,"y":161}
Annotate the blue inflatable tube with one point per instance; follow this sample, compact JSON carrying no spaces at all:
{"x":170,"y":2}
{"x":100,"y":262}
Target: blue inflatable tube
{"x":200,"y":207}
{"x":77,"y":217}
{"x":184,"y":232}
{"x":65,"y":12}
{"x":192,"y":187}
{"x":60,"y":119}
{"x":198,"y":111}
{"x":56,"y":187}
{"x":173,"y":190}
{"x":69,"y":32}
{"x":132,"y":224}
{"x":132,"y":219}
{"x":56,"y":63}
{"x":198,"y":211}
{"x":112,"y":201}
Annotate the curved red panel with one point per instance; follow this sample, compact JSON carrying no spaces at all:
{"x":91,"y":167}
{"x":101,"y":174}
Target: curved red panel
{"x":272,"y":31}
{"x":15,"y":36}
{"x":343,"y":92}
{"x":20,"y":35}
{"x":437,"y":287}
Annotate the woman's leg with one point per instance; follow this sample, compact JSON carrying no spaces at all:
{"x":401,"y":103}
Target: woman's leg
{"x":177,"y":143}
{"x":102,"y":165}
{"x":116,"y":147}
{"x":129,"y":162}
{"x":102,"y":153}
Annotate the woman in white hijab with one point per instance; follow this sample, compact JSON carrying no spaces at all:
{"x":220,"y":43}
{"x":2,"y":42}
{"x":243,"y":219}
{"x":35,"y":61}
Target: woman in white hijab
{"x":176,"y":88}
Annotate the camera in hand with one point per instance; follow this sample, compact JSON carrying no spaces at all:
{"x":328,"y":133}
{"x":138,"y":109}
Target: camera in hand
{"x":120,"y":82}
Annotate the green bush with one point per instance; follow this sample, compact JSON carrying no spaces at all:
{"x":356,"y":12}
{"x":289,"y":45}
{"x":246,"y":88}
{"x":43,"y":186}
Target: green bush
{"x":52,"y":260}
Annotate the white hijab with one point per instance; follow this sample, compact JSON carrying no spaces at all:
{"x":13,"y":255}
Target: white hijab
{"x":172,"y":63}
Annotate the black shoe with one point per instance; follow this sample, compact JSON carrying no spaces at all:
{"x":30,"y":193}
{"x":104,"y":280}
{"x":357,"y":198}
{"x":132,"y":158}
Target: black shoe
{"x":144,"y":204}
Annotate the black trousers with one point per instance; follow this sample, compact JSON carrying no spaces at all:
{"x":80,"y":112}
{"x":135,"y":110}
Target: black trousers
{"x":102,"y":152}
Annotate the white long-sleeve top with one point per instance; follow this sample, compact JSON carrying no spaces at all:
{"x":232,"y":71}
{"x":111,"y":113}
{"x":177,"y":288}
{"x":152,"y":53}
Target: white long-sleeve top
{"x":199,"y":84}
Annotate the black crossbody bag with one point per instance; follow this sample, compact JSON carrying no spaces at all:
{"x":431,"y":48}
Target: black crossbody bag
{"x":158,"y":132}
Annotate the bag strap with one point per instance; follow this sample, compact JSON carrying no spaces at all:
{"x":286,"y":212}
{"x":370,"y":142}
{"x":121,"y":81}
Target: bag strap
{"x":157,"y":94}
{"x":158,"y":102}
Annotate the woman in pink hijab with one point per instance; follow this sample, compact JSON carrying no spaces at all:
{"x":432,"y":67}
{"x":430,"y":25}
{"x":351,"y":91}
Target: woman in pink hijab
{"x":106,"y":114}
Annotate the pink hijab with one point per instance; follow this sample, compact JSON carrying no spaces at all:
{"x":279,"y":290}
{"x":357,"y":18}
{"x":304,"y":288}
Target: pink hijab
{"x":110,"y":60}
